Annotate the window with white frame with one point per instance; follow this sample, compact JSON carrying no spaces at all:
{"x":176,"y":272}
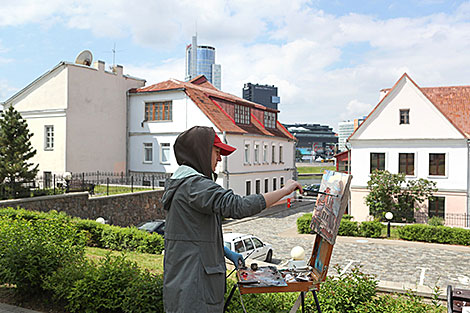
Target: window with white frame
{"x":273,"y":154}
{"x":406,"y":163}
{"x":257,"y":186}
{"x":256,"y":156}
{"x":266,"y":185}
{"x":405,"y":116}
{"x":281,"y":158}
{"x":269,"y":119}
{"x":246,"y":159}
{"x":248,"y":188}
{"x":281,"y":181}
{"x":165,"y":153}
{"x":265,"y":153}
{"x":148,"y":152}
{"x":274,"y":183}
{"x":242,"y":114}
{"x":49,"y":137}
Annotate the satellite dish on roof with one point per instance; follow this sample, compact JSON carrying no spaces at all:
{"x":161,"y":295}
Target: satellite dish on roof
{"x":84,"y":58}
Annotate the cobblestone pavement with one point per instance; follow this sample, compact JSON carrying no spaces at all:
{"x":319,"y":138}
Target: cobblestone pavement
{"x":406,"y":263}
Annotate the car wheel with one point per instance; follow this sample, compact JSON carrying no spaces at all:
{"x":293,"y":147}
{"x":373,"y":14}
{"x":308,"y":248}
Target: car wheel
{"x":269,"y":256}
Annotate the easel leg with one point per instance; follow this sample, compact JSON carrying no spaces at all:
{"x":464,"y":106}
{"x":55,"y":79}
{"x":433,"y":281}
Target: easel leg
{"x":302,"y":295}
{"x":230,"y":297}
{"x":316,"y":301}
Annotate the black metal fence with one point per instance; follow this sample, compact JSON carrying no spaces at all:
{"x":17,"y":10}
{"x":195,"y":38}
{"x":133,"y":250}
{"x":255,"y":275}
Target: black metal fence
{"x":51,"y":184}
{"x":450,"y":219}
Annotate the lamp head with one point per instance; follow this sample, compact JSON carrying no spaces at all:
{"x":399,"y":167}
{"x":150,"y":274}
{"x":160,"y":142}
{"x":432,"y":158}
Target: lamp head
{"x":389,"y":215}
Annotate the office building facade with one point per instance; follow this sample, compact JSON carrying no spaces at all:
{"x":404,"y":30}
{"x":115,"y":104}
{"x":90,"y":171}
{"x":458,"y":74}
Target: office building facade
{"x":262,"y":94}
{"x":201,"y":61}
{"x":345,"y":129}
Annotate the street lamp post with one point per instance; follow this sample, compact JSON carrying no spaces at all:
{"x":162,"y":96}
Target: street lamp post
{"x":388,"y":216}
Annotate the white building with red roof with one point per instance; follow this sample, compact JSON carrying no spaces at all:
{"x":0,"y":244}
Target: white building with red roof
{"x":264,"y":158}
{"x":423,"y":132}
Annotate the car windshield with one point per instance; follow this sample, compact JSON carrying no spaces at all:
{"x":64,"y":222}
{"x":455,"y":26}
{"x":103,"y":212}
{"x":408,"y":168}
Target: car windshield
{"x":150,"y":225}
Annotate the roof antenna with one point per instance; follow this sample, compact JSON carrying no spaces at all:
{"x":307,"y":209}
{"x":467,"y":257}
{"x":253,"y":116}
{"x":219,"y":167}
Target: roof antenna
{"x":114,"y":55}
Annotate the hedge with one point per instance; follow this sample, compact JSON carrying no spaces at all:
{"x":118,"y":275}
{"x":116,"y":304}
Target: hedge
{"x":346,"y":228}
{"x":437,"y":234}
{"x":97,"y":234}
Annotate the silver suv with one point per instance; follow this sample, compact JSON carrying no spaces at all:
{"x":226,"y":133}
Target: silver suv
{"x":248,"y":244}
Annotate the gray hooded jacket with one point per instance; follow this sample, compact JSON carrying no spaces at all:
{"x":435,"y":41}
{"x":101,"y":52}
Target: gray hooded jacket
{"x":194,"y":265}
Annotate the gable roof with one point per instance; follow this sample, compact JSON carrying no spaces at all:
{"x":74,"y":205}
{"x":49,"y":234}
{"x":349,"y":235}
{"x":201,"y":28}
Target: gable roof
{"x":210,"y":100}
{"x":453,"y":102}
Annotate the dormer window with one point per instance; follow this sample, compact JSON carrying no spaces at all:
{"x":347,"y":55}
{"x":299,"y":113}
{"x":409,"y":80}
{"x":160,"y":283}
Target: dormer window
{"x":242,"y":114}
{"x":405,"y":116}
{"x":269,"y":119}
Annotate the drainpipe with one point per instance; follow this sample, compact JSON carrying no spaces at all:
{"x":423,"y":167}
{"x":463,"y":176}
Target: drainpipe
{"x":468,"y":184}
{"x":127,"y":131}
{"x":226,"y":172}
{"x":349,"y":172}
{"x":294,"y":176}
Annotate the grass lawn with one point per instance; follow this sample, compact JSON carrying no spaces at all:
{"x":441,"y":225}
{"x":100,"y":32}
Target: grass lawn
{"x":393,"y":232}
{"x":315,"y":169}
{"x":100,"y":190}
{"x":151,"y":262}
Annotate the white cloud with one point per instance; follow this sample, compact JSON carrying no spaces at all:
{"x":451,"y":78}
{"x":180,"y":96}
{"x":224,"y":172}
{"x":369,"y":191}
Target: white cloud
{"x":326,"y":67}
{"x":5,"y":89}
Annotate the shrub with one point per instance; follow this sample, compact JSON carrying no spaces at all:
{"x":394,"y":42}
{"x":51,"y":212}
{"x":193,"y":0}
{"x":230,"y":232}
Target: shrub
{"x":32,"y":250}
{"x":113,"y":285}
{"x":303,"y":224}
{"x":345,"y":292}
{"x":436,"y":221}
{"x":438,"y":234}
{"x":348,"y":228}
{"x":371,"y":229}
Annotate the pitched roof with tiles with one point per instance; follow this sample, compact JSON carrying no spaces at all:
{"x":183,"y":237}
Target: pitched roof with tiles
{"x":453,"y":102}
{"x":210,"y":100}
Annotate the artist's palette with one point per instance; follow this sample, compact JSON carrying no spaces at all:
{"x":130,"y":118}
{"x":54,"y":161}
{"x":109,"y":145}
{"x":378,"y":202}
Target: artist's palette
{"x":264,"y":276}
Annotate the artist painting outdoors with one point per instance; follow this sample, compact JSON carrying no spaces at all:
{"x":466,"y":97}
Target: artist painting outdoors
{"x":194,"y":264}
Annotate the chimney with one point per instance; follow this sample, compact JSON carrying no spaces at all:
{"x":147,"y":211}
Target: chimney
{"x":117,"y":69}
{"x":99,"y":65}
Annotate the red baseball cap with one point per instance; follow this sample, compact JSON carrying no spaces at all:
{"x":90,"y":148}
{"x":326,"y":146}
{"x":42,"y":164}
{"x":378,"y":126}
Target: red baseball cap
{"x":224,"y":148}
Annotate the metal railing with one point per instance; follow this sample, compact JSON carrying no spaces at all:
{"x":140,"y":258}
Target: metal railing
{"x":84,"y":181}
{"x":450,"y":219}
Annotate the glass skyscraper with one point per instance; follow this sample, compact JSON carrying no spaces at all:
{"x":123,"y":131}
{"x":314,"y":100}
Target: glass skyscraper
{"x":202,"y":63}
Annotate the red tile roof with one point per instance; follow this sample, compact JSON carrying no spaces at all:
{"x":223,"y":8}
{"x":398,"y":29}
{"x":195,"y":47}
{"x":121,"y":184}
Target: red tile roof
{"x":453,"y":102}
{"x":210,"y":100}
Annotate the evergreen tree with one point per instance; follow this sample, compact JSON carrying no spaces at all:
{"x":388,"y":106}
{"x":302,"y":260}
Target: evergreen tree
{"x":15,"y":151}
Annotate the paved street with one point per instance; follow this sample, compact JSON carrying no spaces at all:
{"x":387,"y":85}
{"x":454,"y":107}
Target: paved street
{"x":402,"y":264}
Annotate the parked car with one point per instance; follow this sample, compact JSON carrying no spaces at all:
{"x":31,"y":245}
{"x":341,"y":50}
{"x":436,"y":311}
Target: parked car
{"x":156,"y":226}
{"x":246,"y":244}
{"x":311,"y":190}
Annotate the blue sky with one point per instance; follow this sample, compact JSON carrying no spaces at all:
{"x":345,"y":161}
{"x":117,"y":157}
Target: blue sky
{"x":329,"y":59}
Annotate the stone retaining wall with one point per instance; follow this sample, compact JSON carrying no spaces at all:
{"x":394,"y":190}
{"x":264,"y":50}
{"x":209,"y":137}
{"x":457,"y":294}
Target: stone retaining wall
{"x":123,"y":210}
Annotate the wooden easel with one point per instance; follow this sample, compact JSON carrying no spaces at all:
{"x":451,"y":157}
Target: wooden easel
{"x":321,"y":252}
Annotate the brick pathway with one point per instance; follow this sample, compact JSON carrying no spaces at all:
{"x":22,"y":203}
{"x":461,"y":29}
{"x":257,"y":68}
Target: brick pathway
{"x":402,"y":264}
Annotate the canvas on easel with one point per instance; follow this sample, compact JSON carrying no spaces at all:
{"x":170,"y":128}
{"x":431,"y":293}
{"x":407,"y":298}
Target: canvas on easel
{"x":331,"y":203}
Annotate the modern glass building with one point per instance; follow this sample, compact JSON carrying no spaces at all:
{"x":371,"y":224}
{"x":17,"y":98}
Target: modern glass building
{"x":262,"y":94}
{"x":202,"y":62}
{"x":345,"y":129}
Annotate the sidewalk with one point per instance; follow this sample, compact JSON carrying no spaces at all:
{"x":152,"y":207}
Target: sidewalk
{"x":6,"y":308}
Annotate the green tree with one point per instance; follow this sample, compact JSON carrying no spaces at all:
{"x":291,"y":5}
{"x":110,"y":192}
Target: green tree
{"x":15,"y":151}
{"x":394,"y":193}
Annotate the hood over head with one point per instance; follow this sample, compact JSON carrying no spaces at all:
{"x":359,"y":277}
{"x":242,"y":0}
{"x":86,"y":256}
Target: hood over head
{"x":193,"y":148}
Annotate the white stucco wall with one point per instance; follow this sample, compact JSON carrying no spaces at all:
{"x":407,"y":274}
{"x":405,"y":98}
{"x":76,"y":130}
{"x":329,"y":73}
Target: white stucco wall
{"x":186,"y":115}
{"x":44,"y":103}
{"x":96,"y":119}
{"x":428,"y":132}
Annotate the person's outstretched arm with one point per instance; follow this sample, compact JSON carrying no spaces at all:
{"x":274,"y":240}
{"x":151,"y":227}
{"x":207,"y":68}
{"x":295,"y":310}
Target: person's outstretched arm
{"x":274,"y":196}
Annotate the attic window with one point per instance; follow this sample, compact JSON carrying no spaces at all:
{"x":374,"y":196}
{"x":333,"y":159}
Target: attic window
{"x":269,"y":119}
{"x":404,"y":116}
{"x":242,"y":114}
{"x":158,"y":111}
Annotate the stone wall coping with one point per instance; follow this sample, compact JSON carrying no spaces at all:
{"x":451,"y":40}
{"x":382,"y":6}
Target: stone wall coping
{"x":135,"y":193}
{"x":41,"y":198}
